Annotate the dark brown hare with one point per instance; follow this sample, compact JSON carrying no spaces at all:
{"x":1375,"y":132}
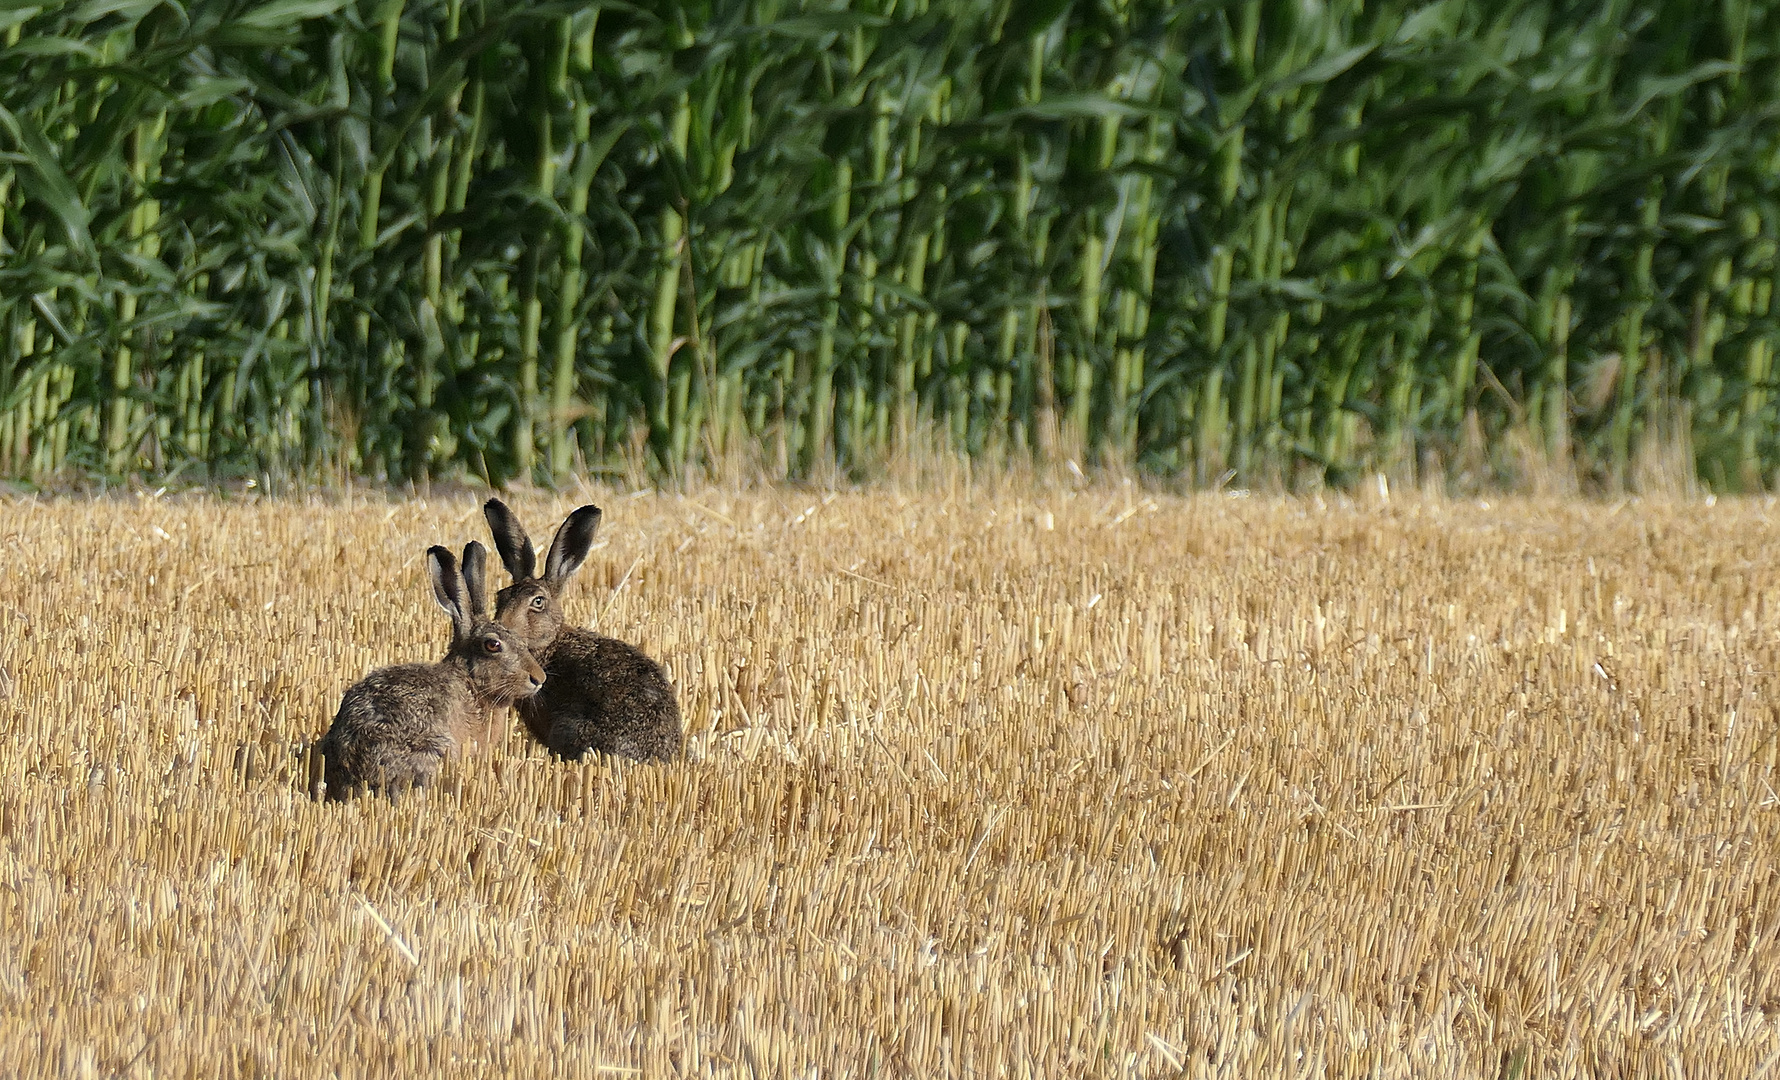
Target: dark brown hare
{"x":601,"y":694}
{"x":399,"y":724}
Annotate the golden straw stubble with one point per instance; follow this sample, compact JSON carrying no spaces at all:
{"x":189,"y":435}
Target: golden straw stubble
{"x":1007,"y":782}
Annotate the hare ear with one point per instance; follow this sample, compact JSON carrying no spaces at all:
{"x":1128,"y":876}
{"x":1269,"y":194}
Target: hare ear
{"x":448,"y":588}
{"x":510,"y":540}
{"x":569,"y":550}
{"x":476,"y":579}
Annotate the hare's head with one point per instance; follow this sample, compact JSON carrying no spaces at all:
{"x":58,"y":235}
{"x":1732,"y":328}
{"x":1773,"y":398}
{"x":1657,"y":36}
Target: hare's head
{"x":532,"y":606}
{"x":501,"y":669}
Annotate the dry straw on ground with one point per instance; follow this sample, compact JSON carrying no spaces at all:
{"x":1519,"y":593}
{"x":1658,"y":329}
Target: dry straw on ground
{"x":980,"y":784}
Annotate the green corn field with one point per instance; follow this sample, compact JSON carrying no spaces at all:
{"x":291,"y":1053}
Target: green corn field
{"x":1207,"y":240}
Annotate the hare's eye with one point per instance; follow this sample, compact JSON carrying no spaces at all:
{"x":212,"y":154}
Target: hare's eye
{"x":537,"y":603}
{"x":493,"y":644}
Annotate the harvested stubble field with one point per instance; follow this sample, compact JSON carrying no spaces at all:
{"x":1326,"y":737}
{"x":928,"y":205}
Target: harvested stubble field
{"x":981,"y":783}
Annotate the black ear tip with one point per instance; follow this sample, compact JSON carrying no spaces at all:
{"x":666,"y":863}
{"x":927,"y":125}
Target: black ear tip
{"x":441,"y":565}
{"x":578,"y":530}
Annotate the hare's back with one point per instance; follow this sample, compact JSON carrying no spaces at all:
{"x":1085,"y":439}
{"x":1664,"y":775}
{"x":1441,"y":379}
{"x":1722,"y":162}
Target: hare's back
{"x":401,"y":709}
{"x":586,"y":665}
{"x":392,"y":730}
{"x":412,"y":698}
{"x":606,"y":695}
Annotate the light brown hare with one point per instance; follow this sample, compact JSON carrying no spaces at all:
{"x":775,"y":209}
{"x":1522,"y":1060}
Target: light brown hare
{"x":601,"y":694}
{"x":399,"y":724}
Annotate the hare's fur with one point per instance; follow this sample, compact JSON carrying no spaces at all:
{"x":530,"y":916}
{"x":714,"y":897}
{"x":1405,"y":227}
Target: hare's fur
{"x":399,"y":724}
{"x":600,"y":694}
